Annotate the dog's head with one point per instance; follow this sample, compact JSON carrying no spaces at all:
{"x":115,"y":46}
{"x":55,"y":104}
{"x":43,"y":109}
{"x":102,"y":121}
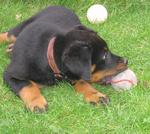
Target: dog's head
{"x":88,"y":57}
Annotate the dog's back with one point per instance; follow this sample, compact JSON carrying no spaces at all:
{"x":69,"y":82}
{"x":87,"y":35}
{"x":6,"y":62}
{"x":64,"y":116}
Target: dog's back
{"x":61,"y":16}
{"x":64,"y":18}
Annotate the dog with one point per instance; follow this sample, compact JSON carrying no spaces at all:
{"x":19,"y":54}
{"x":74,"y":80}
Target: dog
{"x":52,"y":46}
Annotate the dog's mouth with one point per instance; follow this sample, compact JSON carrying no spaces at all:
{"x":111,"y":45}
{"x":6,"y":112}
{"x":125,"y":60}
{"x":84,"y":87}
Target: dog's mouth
{"x":107,"y":79}
{"x":121,"y":67}
{"x":104,"y":76}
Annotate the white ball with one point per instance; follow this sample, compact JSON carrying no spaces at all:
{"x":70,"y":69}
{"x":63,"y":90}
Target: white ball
{"x":124,"y":80}
{"x":97,"y":14}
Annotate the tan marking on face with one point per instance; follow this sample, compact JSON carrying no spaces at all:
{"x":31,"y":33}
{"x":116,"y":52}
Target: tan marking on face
{"x":99,"y":75}
{"x":93,"y":68}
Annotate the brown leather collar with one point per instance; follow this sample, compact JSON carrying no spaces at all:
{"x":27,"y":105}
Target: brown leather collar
{"x":51,"y":60}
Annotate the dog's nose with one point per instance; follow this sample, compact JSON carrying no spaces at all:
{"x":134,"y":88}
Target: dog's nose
{"x":125,"y":60}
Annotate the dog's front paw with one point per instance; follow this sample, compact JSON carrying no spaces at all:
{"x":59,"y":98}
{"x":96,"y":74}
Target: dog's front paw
{"x":96,"y":98}
{"x":38,"y":104}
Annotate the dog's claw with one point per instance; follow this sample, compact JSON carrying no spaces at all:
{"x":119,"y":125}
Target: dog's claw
{"x":104,"y":100}
{"x":10,"y":48}
{"x":40,"y":110}
{"x":93,"y":103}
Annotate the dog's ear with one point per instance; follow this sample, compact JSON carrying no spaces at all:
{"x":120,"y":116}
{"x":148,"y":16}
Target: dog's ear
{"x":77,"y":58}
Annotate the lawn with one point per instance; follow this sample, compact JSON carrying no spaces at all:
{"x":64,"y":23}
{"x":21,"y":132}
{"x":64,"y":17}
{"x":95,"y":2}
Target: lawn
{"x":127,"y":31}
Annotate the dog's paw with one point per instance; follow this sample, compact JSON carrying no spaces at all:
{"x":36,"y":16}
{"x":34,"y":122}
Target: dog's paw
{"x":38,"y":105}
{"x":10,"y":48}
{"x":96,"y":98}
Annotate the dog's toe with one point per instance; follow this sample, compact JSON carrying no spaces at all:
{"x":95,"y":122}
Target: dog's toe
{"x":37,"y":109}
{"x":104,"y":100}
{"x":38,"y":105}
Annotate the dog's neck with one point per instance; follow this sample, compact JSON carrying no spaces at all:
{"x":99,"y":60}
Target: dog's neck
{"x":55,"y":51}
{"x":51,"y":59}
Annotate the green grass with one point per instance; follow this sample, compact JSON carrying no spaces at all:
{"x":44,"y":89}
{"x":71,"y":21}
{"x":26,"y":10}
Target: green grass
{"x":127,"y":31}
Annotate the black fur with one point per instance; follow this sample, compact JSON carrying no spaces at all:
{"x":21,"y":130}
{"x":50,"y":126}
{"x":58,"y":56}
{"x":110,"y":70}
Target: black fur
{"x":76,"y":49}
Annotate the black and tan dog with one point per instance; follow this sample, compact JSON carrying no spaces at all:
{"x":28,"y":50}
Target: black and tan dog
{"x":54,"y":45}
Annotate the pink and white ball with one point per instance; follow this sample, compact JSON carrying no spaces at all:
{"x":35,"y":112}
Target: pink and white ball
{"x":124,"y":80}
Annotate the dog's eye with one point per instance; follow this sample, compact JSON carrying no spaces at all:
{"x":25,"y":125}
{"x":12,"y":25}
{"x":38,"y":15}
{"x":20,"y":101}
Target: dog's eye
{"x":85,"y":47}
{"x":104,"y":56}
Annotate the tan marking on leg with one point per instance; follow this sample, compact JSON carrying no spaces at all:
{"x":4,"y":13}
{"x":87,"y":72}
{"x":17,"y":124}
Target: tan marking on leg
{"x":90,"y":94}
{"x":5,"y":38}
{"x":32,"y":98}
{"x":37,"y":84}
{"x":12,"y":39}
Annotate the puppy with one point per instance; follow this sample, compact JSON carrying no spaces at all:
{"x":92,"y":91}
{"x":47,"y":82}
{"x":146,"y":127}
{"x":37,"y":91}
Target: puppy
{"x":52,"y":46}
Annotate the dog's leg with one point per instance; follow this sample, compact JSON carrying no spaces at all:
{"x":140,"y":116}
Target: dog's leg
{"x":90,"y":94}
{"x":29,"y":92}
{"x":32,"y":98}
{"x":13,"y":33}
{"x":4,"y":37}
